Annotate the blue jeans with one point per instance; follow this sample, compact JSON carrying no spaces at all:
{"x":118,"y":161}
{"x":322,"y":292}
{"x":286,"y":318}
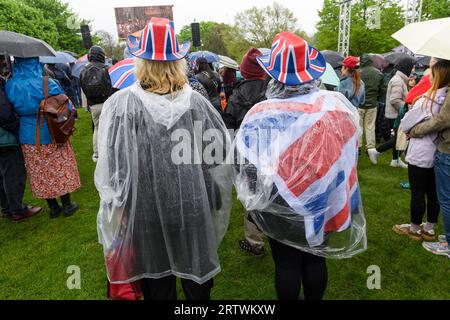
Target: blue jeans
{"x":442,"y":169}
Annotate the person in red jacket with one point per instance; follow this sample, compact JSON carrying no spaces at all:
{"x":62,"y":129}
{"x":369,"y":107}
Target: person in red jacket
{"x":423,"y":86}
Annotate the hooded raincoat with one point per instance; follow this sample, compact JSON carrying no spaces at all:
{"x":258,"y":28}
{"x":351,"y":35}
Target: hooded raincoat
{"x":25,"y":91}
{"x":164,"y":208}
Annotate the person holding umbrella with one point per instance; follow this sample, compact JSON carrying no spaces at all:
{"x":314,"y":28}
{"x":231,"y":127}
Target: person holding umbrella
{"x":52,"y":169}
{"x":210,"y":81}
{"x":12,"y":167}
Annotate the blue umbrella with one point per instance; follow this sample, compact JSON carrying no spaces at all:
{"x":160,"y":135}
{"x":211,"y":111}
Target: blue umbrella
{"x":78,"y":67}
{"x":61,"y":57}
{"x":210,"y":57}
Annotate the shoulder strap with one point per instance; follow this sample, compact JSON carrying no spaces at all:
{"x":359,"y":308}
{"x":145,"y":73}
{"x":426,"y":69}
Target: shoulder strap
{"x":46,"y":87}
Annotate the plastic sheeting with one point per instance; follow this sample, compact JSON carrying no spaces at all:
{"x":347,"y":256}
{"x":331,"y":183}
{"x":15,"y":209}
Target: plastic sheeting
{"x":162,"y":212}
{"x":296,"y":170}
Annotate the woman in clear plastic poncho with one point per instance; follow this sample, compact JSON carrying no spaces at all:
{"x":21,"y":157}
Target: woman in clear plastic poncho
{"x":296,"y":171}
{"x":164,"y":210}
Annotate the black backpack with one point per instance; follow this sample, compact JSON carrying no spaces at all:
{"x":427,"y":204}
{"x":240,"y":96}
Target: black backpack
{"x":96,"y":83}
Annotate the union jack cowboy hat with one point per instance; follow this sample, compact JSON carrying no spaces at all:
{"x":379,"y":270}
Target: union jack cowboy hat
{"x":158,"y":42}
{"x":292,"y":61}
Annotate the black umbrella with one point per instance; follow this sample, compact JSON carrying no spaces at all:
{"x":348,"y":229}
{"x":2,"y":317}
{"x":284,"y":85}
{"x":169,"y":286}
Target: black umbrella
{"x":394,"y":57}
{"x":424,"y":61}
{"x":22,"y":46}
{"x":379,"y":61}
{"x":332,"y":57}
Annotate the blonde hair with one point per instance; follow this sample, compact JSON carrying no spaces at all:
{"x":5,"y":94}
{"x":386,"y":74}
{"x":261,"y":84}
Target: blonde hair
{"x":162,"y":77}
{"x":441,"y":79}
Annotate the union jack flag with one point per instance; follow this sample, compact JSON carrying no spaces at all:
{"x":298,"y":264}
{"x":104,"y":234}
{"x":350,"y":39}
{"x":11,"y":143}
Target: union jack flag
{"x":307,"y":147}
{"x":123,"y":74}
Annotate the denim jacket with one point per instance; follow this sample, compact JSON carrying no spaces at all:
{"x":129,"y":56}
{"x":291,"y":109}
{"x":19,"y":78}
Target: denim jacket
{"x":347,"y":88}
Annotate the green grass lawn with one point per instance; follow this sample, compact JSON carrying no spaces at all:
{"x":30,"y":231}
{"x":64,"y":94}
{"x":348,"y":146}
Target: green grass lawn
{"x":35,"y":255}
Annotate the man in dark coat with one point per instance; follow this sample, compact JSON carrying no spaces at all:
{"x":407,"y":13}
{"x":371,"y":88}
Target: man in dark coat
{"x":374,"y":81}
{"x":12,"y":168}
{"x":247,"y":94}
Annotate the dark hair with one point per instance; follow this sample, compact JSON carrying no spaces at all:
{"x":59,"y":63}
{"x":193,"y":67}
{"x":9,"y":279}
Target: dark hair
{"x":203,"y":66}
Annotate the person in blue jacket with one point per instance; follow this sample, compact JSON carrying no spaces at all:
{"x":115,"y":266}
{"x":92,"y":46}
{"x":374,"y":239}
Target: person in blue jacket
{"x":12,"y":167}
{"x":52,"y":170}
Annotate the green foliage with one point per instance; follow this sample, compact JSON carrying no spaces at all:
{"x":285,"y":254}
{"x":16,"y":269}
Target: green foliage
{"x":260,"y":25}
{"x":19,"y":17}
{"x":255,"y":27}
{"x":59,"y":14}
{"x":435,"y":9}
{"x":43,"y":19}
{"x":362,"y":39}
{"x":212,"y":35}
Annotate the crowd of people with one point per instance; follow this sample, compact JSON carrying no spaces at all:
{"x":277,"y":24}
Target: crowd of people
{"x":294,"y":158}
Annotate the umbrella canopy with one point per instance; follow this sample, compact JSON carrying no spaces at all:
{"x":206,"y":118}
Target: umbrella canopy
{"x":394,"y":57}
{"x":427,"y":38}
{"x":424,"y":61}
{"x":61,"y":57}
{"x":22,"y":46}
{"x":78,"y":68}
{"x":379,"y":61}
{"x":122,"y":74}
{"x":210,"y":57}
{"x":228,"y":63}
{"x":332,"y":57}
{"x":330,"y":77}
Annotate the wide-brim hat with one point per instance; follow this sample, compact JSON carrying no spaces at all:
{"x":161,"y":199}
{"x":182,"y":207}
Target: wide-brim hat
{"x":292,"y":61}
{"x":158,"y":42}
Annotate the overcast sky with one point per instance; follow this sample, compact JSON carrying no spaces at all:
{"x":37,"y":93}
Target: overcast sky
{"x":101,"y":12}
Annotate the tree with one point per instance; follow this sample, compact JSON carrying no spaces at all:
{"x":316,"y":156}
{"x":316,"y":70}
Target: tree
{"x":362,"y":38}
{"x":212,"y":35}
{"x":259,"y":26}
{"x":112,"y":48}
{"x":60,"y":15}
{"x":19,"y":17}
{"x":435,"y":9}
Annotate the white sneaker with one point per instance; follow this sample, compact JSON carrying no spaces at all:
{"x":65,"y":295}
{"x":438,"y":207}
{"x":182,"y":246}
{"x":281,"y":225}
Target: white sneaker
{"x":95,"y":159}
{"x":398,"y":164}
{"x":373,"y":155}
{"x":442,"y":238}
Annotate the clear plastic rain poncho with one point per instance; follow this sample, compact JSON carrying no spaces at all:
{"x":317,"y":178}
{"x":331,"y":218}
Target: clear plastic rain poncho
{"x":296,"y":171}
{"x":165,"y":203}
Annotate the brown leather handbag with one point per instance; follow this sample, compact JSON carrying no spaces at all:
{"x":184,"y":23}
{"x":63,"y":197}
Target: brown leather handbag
{"x":60,"y":118}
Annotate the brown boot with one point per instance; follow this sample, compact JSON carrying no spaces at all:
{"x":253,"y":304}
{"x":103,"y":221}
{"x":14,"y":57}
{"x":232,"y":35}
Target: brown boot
{"x":28,"y":214}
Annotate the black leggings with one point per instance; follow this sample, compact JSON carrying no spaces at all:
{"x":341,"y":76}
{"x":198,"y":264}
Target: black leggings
{"x":391,"y":143}
{"x":294,"y":268}
{"x":166,"y":289}
{"x":423,"y":186}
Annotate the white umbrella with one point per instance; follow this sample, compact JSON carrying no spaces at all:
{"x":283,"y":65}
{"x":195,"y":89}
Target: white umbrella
{"x":228,"y":62}
{"x":428,"y":38}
